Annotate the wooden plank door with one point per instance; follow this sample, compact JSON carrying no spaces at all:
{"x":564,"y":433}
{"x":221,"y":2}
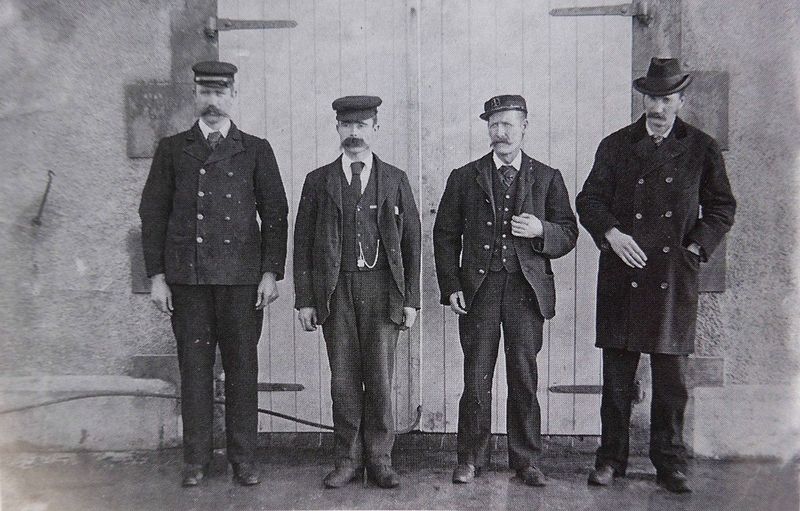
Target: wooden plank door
{"x":434,"y":63}
{"x":287,"y":80}
{"x":573,"y":73}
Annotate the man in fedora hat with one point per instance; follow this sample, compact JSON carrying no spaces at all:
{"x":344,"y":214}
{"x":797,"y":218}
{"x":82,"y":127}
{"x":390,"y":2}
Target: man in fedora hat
{"x":501,"y":220}
{"x":657,"y":202}
{"x":356,"y":272}
{"x":213,"y":269}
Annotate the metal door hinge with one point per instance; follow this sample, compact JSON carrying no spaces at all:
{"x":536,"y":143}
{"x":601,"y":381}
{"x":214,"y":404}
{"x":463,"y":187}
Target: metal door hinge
{"x":639,"y":10}
{"x":214,"y":25}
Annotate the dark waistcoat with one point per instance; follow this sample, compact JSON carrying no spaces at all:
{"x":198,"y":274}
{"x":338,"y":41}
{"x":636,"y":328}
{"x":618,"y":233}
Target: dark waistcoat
{"x":360,"y":224}
{"x":504,"y":199}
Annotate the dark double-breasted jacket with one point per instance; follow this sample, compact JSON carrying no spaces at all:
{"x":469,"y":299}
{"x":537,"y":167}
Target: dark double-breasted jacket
{"x":464,"y":230}
{"x":665,"y":197}
{"x":318,"y":237}
{"x":198,"y":210}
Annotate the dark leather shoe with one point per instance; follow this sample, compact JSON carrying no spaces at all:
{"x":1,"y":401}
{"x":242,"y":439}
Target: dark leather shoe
{"x":342,"y":476}
{"x":602,"y":476}
{"x":245,"y":474}
{"x":532,"y":476}
{"x":384,"y":476}
{"x":465,"y":473}
{"x":676,"y":481}
{"x":193,"y":474}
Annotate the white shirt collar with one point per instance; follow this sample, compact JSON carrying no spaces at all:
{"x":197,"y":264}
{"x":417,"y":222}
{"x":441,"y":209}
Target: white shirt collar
{"x":365,"y":172}
{"x":651,"y":132}
{"x":206,"y":129}
{"x":516,"y":163}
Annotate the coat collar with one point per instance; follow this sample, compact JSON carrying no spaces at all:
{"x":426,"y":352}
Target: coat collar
{"x":385,"y":181}
{"x":198,"y":148}
{"x":484,"y":168}
{"x":653,"y":157}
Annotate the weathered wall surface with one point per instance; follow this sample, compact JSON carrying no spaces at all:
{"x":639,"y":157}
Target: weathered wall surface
{"x":753,"y":325}
{"x":66,"y":305}
{"x":757,"y":43}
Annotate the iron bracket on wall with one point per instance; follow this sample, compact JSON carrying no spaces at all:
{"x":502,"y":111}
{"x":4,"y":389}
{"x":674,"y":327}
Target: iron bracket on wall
{"x":214,"y":25}
{"x":639,"y":10}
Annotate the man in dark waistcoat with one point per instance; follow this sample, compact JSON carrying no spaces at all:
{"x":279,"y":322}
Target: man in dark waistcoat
{"x":657,"y":202}
{"x":212,"y":268}
{"x":501,"y":220}
{"x":356,"y":272}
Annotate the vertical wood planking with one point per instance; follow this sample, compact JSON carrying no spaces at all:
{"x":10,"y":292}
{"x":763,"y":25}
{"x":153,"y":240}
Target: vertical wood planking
{"x":277,"y":112}
{"x":590,"y":118}
{"x":465,"y":52}
{"x":563,"y":146}
{"x":308,"y":355}
{"x":434,"y":369}
{"x":536,"y":90}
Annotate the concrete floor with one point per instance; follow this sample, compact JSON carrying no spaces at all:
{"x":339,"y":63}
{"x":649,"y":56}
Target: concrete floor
{"x":292,"y":479}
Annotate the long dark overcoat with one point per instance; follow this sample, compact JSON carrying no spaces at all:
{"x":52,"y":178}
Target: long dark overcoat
{"x":198,"y":210}
{"x":464,"y":231}
{"x":665,"y":197}
{"x":318,"y":238}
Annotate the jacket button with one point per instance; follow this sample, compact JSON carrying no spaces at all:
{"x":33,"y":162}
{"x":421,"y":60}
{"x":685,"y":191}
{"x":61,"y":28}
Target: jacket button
{"x":227,"y":242}
{"x":508,"y":196}
{"x":486,"y":247}
{"x":668,"y":214}
{"x":504,"y":235}
{"x":489,"y":224}
{"x":230,"y":174}
{"x":634,"y":284}
{"x":202,"y":172}
{"x":200,"y":216}
{"x":665,"y":250}
{"x":641,"y":181}
{"x":200,"y":194}
{"x":664,"y":285}
{"x":668,"y":180}
{"x":638,"y":216}
{"x":487,"y":201}
{"x":504,"y":247}
{"x":227,"y":196}
{"x":481,"y":271}
{"x":227,"y":219}
{"x":199,"y":239}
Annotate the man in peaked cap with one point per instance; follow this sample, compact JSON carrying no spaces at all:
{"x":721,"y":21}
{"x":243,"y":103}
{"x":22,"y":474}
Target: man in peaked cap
{"x":213,"y":269}
{"x":356,"y":272}
{"x":641,"y":204}
{"x":501,"y":220}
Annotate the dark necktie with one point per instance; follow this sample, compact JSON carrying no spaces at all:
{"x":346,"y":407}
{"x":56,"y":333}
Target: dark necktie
{"x":507,"y":174}
{"x":355,"y":183}
{"x":213,"y":139}
{"x":657,"y":139}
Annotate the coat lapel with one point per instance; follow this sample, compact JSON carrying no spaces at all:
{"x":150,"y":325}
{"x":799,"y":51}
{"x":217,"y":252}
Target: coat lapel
{"x":652,"y":157}
{"x":228,"y":147}
{"x":483,"y":175}
{"x":333,"y":182}
{"x":385,"y":181}
{"x":196,"y":146}
{"x":526,"y":179}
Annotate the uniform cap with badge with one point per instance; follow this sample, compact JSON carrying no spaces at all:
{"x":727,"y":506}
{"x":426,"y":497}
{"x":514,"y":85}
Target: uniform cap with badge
{"x":212,"y":73}
{"x":503,"y":103}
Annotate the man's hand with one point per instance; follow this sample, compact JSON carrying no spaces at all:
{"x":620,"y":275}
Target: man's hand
{"x":457,"y":302}
{"x":409,"y":317}
{"x":308,"y":318}
{"x":626,"y":248}
{"x":267,"y":290}
{"x":160,"y":294}
{"x":526,"y":225}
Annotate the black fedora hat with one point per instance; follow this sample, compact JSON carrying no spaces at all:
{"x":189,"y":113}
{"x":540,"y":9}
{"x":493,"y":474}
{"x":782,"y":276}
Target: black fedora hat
{"x":664,"y":77}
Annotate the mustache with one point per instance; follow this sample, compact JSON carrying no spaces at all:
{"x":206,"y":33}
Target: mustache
{"x":499,"y":140}
{"x":212,"y":110}
{"x":353,"y":142}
